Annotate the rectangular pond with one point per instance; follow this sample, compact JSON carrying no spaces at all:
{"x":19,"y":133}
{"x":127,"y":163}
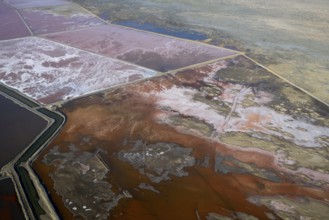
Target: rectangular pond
{"x":11,"y":25}
{"x":51,"y":72}
{"x":154,"y":51}
{"x":19,"y":127}
{"x":50,"y":19}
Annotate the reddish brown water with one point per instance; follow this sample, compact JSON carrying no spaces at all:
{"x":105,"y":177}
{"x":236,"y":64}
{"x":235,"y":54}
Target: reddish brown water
{"x":117,"y":120}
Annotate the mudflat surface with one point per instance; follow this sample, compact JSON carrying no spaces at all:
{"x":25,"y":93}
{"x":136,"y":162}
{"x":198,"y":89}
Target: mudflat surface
{"x":9,"y":205}
{"x":222,"y":140}
{"x":161,"y":53}
{"x":19,"y":127}
{"x":11,"y":25}
{"x":50,"y":72}
{"x":227,"y":139}
{"x":48,"y":19}
{"x":291,"y":37}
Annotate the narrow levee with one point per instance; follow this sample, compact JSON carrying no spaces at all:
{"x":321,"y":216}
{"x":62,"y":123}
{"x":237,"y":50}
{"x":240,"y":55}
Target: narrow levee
{"x":28,"y":181}
{"x":27,"y":128}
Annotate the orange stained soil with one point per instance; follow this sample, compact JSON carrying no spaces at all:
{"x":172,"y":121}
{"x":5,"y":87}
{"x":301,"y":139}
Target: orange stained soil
{"x":129,"y":116}
{"x":222,"y":178}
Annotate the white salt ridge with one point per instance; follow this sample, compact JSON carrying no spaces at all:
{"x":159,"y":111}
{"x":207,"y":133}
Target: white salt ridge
{"x":41,"y":68}
{"x":215,"y":67}
{"x":186,"y":104}
{"x":270,"y":122}
{"x":171,"y":48}
{"x":285,"y":126}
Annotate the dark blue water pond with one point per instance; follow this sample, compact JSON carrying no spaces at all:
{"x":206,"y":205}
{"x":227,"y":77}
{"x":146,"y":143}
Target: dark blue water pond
{"x":191,"y":35}
{"x":18,"y":128}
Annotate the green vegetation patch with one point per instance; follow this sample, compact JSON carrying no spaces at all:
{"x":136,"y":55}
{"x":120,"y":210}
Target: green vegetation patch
{"x":242,"y":71}
{"x":294,"y":155}
{"x":193,"y":125}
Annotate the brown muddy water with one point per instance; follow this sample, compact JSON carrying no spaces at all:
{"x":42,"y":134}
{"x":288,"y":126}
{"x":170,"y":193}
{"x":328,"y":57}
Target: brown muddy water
{"x":18,"y":128}
{"x":9,"y":205}
{"x":204,"y":143}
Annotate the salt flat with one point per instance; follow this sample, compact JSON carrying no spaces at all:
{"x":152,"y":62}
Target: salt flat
{"x":226,"y":139}
{"x":158,"y":52}
{"x":11,"y":25}
{"x":218,"y":136}
{"x":50,"y":72}
{"x":51,"y":19}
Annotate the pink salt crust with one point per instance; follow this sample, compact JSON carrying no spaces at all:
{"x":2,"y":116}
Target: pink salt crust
{"x":154,"y":51}
{"x":11,"y":25}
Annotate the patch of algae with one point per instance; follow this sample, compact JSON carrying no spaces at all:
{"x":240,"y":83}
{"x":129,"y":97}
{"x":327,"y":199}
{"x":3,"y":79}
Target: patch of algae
{"x":299,"y":208}
{"x":219,"y":106}
{"x":300,"y":105}
{"x":236,"y":215}
{"x":215,"y":216}
{"x":64,"y":10}
{"x":245,"y":73}
{"x":295,"y":96}
{"x":287,"y":99}
{"x":249,"y":101}
{"x":256,"y":140}
{"x":280,"y":43}
{"x":262,"y":173}
{"x":311,"y":75}
{"x":294,"y":156}
{"x":231,"y":165}
{"x":193,"y":125}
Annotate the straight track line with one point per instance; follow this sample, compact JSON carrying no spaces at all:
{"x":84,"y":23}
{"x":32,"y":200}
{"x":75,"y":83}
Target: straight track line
{"x":163,"y":35}
{"x":203,"y":63}
{"x":94,"y":53}
{"x":22,"y":18}
{"x":286,"y":80}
